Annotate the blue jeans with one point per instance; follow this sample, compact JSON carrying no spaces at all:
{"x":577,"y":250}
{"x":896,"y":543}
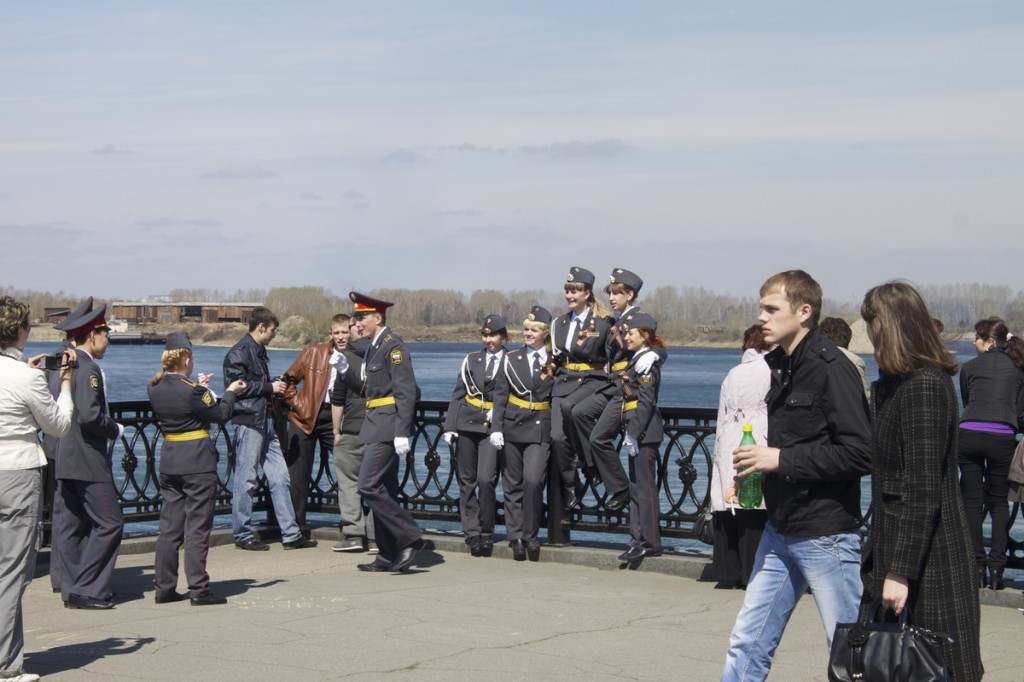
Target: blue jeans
{"x":259,"y":447}
{"x":785,"y":566}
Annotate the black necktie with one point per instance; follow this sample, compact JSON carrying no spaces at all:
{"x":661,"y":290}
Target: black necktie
{"x":536,"y":363}
{"x":490,"y":367}
{"x":576,"y":327}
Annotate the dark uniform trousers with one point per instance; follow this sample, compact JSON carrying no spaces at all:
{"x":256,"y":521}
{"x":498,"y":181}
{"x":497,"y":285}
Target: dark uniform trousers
{"x":90,"y":536}
{"x":477,"y":464}
{"x":644,"y":511}
{"x":524,"y":472}
{"x":186,"y":515}
{"x":602,"y":447}
{"x":394,"y":527}
{"x":566,"y":441}
{"x":301,"y":455}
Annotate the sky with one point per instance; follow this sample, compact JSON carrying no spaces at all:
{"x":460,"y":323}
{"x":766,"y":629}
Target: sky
{"x":149,"y":146}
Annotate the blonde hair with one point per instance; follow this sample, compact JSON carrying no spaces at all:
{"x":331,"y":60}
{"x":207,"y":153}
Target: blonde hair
{"x":171,"y":360}
{"x":541,"y":326}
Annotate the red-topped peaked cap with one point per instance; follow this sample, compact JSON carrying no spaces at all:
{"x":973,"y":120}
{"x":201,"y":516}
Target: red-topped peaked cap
{"x":89,"y":321}
{"x":367,"y":304}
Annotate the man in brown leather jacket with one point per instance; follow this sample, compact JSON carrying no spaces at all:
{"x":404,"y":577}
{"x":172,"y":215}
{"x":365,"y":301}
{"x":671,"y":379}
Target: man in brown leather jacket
{"x":310,"y":414}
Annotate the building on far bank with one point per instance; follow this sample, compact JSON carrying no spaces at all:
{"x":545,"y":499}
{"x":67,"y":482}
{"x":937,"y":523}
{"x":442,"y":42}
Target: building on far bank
{"x":160,"y":312}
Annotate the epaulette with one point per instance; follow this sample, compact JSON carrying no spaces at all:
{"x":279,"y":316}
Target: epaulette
{"x":186,"y":381}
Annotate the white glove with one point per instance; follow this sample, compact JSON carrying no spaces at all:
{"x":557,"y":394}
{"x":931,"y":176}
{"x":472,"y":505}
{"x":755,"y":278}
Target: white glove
{"x":402,"y":446}
{"x":632,"y":447}
{"x":645,"y":362}
{"x":448,"y":436}
{"x":338,"y":361}
{"x":497,"y":439}
{"x":120,"y":430}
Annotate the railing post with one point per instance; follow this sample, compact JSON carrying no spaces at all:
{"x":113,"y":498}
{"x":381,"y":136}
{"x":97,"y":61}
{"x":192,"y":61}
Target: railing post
{"x":558,"y":518}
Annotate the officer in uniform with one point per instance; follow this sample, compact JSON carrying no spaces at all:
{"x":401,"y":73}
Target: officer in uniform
{"x":601,"y":414}
{"x":91,"y":523}
{"x":579,"y":341}
{"x":522,"y":430}
{"x":188,"y":472}
{"x":644,"y":431}
{"x":51,"y":496}
{"x":389,"y":386}
{"x":466,"y":425}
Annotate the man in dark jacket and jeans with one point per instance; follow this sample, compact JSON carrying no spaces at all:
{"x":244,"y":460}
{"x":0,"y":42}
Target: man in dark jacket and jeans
{"x":819,"y":439}
{"x":256,"y":442}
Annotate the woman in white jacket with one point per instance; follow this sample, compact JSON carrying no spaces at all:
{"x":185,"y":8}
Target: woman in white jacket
{"x":738,"y":531}
{"x":26,"y":407}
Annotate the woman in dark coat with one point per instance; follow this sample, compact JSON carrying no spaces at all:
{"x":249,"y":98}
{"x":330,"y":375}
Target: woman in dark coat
{"x":919,"y":554}
{"x":521,"y":430}
{"x":188,"y":471}
{"x":467,"y":426}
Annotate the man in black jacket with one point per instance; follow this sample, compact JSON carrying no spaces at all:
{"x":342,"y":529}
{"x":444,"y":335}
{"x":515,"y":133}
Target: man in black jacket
{"x":819,"y":438}
{"x":256,"y":442}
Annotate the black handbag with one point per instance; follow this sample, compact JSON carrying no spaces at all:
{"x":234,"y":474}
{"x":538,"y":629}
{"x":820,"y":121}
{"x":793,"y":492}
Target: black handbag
{"x":875,"y":651}
{"x":704,"y":526}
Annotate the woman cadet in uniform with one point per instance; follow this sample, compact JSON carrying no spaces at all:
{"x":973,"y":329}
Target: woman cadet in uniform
{"x":643,"y":434}
{"x":466,"y":426}
{"x":579,"y":341}
{"x":188,"y":472}
{"x":521,"y":429}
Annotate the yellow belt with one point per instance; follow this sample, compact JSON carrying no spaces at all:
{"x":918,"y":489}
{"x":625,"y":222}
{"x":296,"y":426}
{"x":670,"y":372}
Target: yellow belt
{"x":380,"y":402}
{"x":476,"y":402}
{"x":583,"y":366}
{"x":630,"y":405}
{"x":619,"y":366}
{"x":187,"y":435}
{"x":536,"y":407}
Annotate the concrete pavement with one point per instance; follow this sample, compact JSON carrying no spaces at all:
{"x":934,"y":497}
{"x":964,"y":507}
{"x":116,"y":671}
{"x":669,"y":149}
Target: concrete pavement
{"x":310,"y":615}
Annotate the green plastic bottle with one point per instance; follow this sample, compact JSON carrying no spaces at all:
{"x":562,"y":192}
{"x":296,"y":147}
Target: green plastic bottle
{"x":750,"y":486}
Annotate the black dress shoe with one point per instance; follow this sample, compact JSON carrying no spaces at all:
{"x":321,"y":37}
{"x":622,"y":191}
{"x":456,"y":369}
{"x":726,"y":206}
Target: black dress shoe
{"x":982,"y":577}
{"x":405,"y":557}
{"x":637,"y":553}
{"x":518,"y":550}
{"x":300,"y":543}
{"x":570,"y":499}
{"x":252,"y":545}
{"x":168,"y":598}
{"x":533,"y":550}
{"x":624,"y":556}
{"x":373,"y":567}
{"x":207,"y":598}
{"x":618,"y":500}
{"x":486,"y":546}
{"x":996,"y":582}
{"x":79,"y":602}
{"x":474,"y":545}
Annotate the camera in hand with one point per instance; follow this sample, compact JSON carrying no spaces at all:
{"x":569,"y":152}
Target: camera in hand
{"x":56,"y":361}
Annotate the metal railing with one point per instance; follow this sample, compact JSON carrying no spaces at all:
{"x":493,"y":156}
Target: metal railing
{"x":427,"y":478}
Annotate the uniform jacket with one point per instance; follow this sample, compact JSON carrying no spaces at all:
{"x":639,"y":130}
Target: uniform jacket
{"x":593,"y":349}
{"x":740,"y":402}
{"x":182,"y":406}
{"x":644,"y":422}
{"x":82,"y":453}
{"x":515,"y":378}
{"x":919,"y":527}
{"x":351,"y":397}
{"x":313,"y":371}
{"x":26,"y":407}
{"x":992,"y":389}
{"x":618,"y":353}
{"x":387,"y":372}
{"x":53,"y":381}
{"x":819,"y":418}
{"x":472,"y":382}
{"x":248,"y":360}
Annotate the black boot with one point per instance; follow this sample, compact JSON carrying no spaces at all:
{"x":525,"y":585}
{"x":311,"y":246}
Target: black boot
{"x":997,"y":579}
{"x":982,"y":577}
